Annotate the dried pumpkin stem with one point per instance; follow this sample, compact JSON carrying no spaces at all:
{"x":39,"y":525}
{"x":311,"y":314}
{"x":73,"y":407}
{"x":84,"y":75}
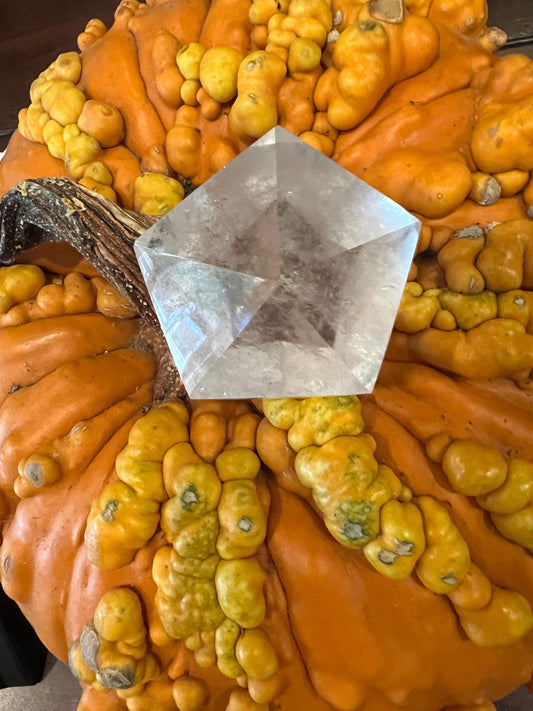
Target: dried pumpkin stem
{"x":58,"y":210}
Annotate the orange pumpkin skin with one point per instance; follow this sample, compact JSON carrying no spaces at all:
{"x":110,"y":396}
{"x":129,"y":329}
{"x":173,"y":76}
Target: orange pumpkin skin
{"x":424,"y":132}
{"x":346,"y":637}
{"x":327,"y":592}
{"x":84,"y":435}
{"x":43,"y":555}
{"x":308,"y":561}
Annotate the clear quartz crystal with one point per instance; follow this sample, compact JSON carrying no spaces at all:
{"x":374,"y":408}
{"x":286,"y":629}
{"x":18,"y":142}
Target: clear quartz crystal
{"x":281,"y":276}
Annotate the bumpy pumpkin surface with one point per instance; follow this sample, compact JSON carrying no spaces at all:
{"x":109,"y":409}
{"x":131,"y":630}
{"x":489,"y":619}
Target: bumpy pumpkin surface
{"x":181,"y":570}
{"x":406,"y":95}
{"x":343,"y":553}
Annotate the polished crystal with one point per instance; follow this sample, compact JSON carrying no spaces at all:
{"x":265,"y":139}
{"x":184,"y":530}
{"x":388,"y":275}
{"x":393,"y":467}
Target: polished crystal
{"x":280,"y":276}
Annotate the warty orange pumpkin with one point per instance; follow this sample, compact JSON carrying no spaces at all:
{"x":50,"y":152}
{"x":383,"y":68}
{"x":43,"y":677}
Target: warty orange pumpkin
{"x":342,"y":553}
{"x":178,"y":574}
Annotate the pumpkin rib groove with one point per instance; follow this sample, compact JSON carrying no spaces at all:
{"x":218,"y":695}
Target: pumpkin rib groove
{"x":403,"y":452}
{"x":507,"y":429}
{"x":20,"y":439}
{"x":316,"y":702}
{"x":77,"y":449}
{"x":271,"y":525}
{"x":145,"y":87}
{"x":151,"y":91}
{"x":223,"y":17}
{"x":48,"y":343}
{"x":117,"y":50}
{"x":63,"y":532}
{"x":495,"y":395}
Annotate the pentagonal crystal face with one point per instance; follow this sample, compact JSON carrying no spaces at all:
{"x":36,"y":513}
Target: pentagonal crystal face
{"x":279,"y":277}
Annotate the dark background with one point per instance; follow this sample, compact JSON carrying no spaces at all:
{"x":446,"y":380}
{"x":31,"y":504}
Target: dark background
{"x":515,"y":17}
{"x":34,"y":32}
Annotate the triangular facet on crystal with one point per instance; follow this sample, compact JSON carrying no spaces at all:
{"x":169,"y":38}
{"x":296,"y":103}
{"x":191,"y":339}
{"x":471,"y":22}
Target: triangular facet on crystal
{"x":204,"y":322}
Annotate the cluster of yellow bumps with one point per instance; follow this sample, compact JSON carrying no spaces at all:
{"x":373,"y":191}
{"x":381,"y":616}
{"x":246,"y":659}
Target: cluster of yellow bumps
{"x":482,"y":303}
{"x":73,"y":128}
{"x":112,"y":650}
{"x":197,"y":478}
{"x":210,"y":508}
{"x":25,"y":295}
{"x":292,"y":34}
{"x":77,"y":130}
{"x":340,"y":75}
{"x":502,"y":487}
{"x":365,"y":506}
{"x":487,"y":277}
